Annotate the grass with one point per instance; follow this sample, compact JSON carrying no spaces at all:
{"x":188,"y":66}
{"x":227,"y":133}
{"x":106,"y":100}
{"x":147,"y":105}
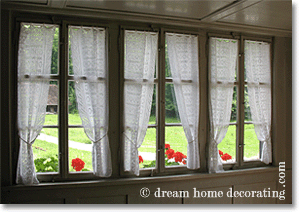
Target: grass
{"x":174,"y":136}
{"x":52,"y":150}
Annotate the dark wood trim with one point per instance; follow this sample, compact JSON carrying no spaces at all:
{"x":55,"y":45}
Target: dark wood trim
{"x":144,"y":18}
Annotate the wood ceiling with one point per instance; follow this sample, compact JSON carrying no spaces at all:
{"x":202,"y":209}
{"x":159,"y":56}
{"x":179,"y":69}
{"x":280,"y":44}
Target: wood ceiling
{"x":261,"y":13}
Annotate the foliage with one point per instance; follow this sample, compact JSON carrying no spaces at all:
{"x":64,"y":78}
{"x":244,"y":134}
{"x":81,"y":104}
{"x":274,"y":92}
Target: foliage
{"x":55,"y":68}
{"x":46,"y":164}
{"x":52,"y":149}
{"x":171,"y":158}
{"x":54,"y":59}
{"x":72,"y":98}
{"x":170,"y":101}
{"x":153,"y":164}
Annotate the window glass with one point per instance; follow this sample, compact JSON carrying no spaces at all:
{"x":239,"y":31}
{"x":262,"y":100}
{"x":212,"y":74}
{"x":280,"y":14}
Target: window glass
{"x":227,"y":148}
{"x":80,"y":148}
{"x":45,"y":151}
{"x":147,"y":151}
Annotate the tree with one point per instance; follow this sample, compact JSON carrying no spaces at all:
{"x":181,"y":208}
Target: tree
{"x":54,"y":70}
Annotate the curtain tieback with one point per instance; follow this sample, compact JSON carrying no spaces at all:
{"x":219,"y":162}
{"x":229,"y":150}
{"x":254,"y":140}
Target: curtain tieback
{"x":96,"y":141}
{"x":192,"y":140}
{"x":129,"y":139}
{"x":267,"y":139}
{"x":28,"y":142}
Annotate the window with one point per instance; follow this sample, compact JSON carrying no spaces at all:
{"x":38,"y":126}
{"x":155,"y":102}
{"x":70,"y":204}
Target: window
{"x":44,"y":130}
{"x":157,"y":116}
{"x":236,"y":93}
{"x":152,"y":119}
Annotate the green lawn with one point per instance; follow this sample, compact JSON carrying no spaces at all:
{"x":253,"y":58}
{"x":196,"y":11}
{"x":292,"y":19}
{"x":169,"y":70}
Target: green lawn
{"x":52,"y":150}
{"x":174,"y":136}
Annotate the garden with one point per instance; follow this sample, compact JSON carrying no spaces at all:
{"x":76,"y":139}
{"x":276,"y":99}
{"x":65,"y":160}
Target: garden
{"x":45,"y":152}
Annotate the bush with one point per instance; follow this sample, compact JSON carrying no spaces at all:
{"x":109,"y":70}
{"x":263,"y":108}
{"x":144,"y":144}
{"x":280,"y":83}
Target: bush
{"x":46,"y":164}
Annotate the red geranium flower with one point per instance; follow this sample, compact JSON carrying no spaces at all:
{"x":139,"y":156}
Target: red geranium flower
{"x":167,"y":146}
{"x":178,"y":156}
{"x":226,"y":157}
{"x":140,"y":159}
{"x":220,"y":152}
{"x":169,"y":153}
{"x":184,"y":161}
{"x":78,"y":164}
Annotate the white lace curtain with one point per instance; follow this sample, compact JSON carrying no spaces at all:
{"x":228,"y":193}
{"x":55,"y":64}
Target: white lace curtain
{"x":88,"y":50}
{"x":258,"y":73}
{"x":183,"y":59}
{"x":34,"y":68}
{"x":222,"y":69}
{"x":140,"y":61}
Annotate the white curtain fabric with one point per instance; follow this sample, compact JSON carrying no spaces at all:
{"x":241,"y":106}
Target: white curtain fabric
{"x":183,"y":60}
{"x":258,"y":74}
{"x":140,"y":61}
{"x":34,"y":68}
{"x":88,"y":50}
{"x":223,"y":61}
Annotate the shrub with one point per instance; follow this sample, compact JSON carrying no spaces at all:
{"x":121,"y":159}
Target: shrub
{"x":46,"y":164}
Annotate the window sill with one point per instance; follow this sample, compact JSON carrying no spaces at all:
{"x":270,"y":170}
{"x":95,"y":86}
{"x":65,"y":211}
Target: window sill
{"x":142,"y":180}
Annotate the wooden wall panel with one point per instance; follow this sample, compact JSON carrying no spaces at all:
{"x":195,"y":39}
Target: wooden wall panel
{"x":209,"y":200}
{"x":137,"y":199}
{"x":271,"y":186}
{"x":39,"y":201}
{"x":103,"y":200}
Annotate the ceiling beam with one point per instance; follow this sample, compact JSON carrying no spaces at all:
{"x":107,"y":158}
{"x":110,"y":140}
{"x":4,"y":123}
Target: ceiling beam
{"x":56,"y":3}
{"x":229,"y":9}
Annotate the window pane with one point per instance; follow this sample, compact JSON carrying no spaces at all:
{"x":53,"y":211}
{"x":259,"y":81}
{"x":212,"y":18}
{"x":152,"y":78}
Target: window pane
{"x":74,"y":117}
{"x":45,"y":151}
{"x":51,"y":117}
{"x":148,"y":149}
{"x":176,"y":138}
{"x":233,"y":117}
{"x":79,"y":147}
{"x":71,"y":71}
{"x":171,"y":111}
{"x":55,"y":53}
{"x":167,"y":66}
{"x":247,"y":106}
{"x":153,"y":119}
{"x":228,"y":145}
{"x":252,"y":144}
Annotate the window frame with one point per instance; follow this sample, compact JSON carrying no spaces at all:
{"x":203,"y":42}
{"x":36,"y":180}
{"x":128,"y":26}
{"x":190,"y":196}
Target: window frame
{"x":240,"y":84}
{"x":63,"y":78}
{"x":116,"y":153}
{"x":160,"y":82}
